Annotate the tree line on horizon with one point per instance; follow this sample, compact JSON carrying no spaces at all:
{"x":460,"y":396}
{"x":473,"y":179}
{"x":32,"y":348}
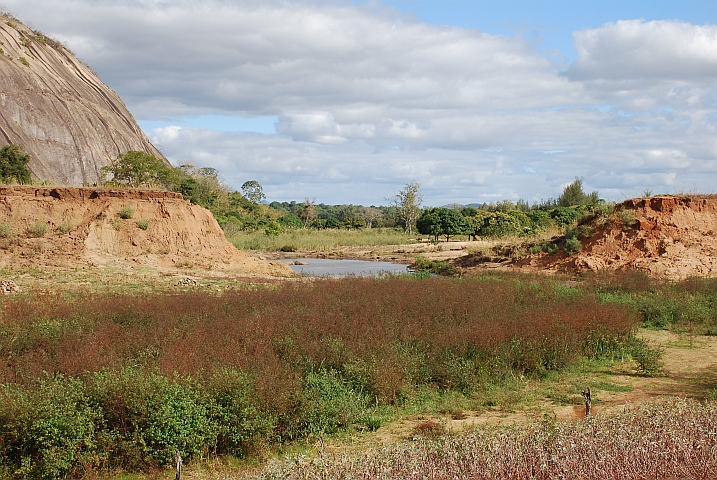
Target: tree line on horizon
{"x":246,"y":210}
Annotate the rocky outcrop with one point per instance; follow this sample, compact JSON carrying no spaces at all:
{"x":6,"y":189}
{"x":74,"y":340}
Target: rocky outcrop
{"x":70,"y":122}
{"x":66,"y":227}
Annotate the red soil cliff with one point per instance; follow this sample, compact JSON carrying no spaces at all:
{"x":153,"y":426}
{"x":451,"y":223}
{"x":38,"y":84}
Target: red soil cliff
{"x":671,"y":237}
{"x":69,"y":226}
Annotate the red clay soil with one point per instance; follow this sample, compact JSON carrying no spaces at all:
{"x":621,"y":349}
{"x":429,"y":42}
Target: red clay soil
{"x":83,"y":226}
{"x":672,"y":237}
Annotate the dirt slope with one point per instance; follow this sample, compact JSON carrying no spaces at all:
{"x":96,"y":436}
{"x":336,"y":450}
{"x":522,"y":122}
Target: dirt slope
{"x":82,"y":226}
{"x":70,"y":122}
{"x":671,"y":237}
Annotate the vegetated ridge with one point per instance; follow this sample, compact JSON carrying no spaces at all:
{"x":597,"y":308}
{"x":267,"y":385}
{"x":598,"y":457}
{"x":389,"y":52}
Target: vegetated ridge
{"x":69,"y":122}
{"x":71,"y":226}
{"x":665,"y":236}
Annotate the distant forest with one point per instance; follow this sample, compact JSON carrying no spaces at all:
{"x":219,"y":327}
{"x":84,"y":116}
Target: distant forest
{"x":247,"y":210}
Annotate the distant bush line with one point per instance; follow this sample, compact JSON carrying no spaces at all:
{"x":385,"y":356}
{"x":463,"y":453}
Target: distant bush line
{"x":242,"y":211}
{"x":120,"y":382}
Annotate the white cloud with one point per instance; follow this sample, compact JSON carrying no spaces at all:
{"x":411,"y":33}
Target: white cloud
{"x":647,"y":51}
{"x":368,"y":99}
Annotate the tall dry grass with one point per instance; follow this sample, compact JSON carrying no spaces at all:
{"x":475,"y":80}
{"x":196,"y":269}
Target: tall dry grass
{"x":309,"y":239}
{"x":673,"y":439}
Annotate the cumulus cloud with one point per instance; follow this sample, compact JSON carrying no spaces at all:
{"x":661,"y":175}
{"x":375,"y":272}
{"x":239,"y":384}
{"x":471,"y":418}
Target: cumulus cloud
{"x":368,"y":99}
{"x":654,"y":51}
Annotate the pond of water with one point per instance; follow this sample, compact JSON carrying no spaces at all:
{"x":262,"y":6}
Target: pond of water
{"x":322,"y":267}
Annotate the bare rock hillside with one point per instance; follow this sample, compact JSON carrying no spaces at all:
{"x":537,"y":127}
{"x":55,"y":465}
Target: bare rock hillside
{"x":70,"y":122}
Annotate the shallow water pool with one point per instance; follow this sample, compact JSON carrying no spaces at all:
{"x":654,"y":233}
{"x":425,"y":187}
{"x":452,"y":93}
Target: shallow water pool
{"x":322,"y":267}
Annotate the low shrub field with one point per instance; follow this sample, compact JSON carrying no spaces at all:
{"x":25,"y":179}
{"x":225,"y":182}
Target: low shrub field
{"x":123,"y":382}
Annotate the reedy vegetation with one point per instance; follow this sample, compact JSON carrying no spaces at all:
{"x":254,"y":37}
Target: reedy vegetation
{"x":121,"y":381}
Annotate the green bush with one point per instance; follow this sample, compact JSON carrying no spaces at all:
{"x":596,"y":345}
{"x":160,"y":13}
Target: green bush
{"x":566,"y":216}
{"x":540,"y":219}
{"x":627,"y":217}
{"x":148,"y":416}
{"x":499,"y":225}
{"x":126,"y":213}
{"x":572,"y":245}
{"x":37,"y":229}
{"x":330,"y":402}
{"x":65,"y":227}
{"x":5,"y":229}
{"x":273,"y":229}
{"x":544,"y":247}
{"x":144,"y":223}
{"x":50,"y":429}
{"x":13,"y":164}
{"x":137,"y":169}
{"x":439,"y":267}
{"x":649,"y":359}
{"x":237,"y":413}
{"x":290,"y":221}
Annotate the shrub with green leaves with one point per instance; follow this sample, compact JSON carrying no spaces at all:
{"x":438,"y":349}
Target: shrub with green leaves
{"x":5,"y":229}
{"x":499,"y":225}
{"x":37,"y":229}
{"x":290,"y":221}
{"x":144,"y":223}
{"x":548,"y":247}
{"x":273,"y":229}
{"x":237,"y":412}
{"x":565,"y":216}
{"x":137,"y":169}
{"x":649,"y":359}
{"x":148,"y":416}
{"x":126,"y":213}
{"x":627,"y":217}
{"x":13,"y":164}
{"x":65,"y":227}
{"x":330,"y":402}
{"x":572,"y":245}
{"x":49,"y":429}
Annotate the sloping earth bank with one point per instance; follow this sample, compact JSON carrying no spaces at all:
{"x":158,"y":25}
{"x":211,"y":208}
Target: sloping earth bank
{"x":670,"y":237}
{"x":66,"y":227}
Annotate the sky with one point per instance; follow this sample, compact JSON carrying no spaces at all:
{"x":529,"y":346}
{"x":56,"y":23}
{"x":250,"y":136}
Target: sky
{"x":347,"y":101}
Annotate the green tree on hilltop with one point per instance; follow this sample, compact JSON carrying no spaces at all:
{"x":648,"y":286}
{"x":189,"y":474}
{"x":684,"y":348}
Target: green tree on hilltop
{"x":573,"y":195}
{"x":137,"y":169}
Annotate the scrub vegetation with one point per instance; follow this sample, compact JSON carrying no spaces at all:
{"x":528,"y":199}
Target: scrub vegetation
{"x":252,"y":225}
{"x":122,"y":381}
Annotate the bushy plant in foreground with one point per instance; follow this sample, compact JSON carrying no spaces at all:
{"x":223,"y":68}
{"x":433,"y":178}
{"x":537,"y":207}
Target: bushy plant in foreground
{"x":48,"y":430}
